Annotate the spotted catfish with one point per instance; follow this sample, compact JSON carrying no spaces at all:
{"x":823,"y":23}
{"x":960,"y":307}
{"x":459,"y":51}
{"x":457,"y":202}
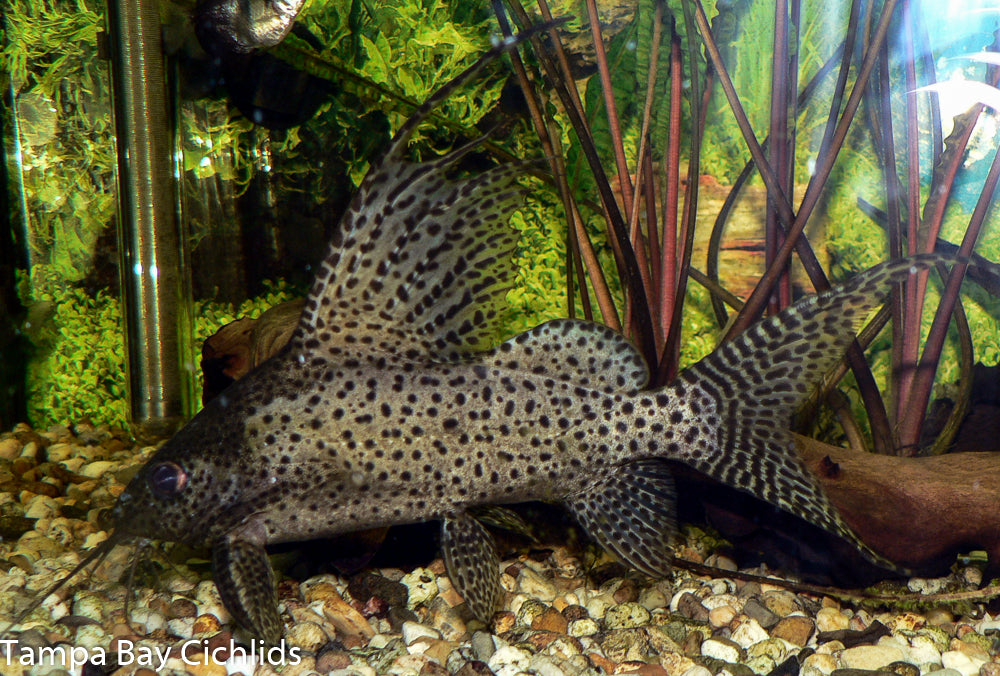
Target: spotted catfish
{"x":390,"y":405}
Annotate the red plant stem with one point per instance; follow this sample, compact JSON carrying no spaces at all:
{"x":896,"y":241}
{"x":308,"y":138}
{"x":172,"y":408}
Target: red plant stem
{"x":758,"y":298}
{"x":778,"y":147}
{"x":624,"y":178}
{"x":668,"y":260}
{"x":913,"y":304}
{"x":923,"y":380}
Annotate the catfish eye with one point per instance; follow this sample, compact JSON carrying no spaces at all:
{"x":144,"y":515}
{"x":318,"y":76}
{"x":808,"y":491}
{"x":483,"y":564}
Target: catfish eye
{"x":167,"y":479}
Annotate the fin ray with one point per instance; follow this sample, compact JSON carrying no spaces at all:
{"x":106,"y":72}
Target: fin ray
{"x":246,"y":584}
{"x":754,"y":384}
{"x":584,"y":353}
{"x":632,"y":513}
{"x":472,"y":562}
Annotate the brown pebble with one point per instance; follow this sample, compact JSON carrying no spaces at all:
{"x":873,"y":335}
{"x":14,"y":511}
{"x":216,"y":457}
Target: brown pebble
{"x":574,"y":612}
{"x":541,"y":639}
{"x":222,"y":642}
{"x":144,"y":672}
{"x":691,"y":607}
{"x":503,"y":622}
{"x":182,"y":607}
{"x":795,"y":629}
{"x":474,"y":668}
{"x":332,"y":660}
{"x":628,"y":592}
{"x":989,"y":669}
{"x":550,"y":620}
{"x":206,"y":624}
{"x":692,"y":643}
{"x":602,"y":662}
{"x":351,"y":625}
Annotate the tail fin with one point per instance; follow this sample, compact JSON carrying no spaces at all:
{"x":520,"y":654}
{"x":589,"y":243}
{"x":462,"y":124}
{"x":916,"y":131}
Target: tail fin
{"x":757,"y":381}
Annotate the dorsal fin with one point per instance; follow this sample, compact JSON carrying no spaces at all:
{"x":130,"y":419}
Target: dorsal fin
{"x":586,"y":354}
{"x":421,"y":262}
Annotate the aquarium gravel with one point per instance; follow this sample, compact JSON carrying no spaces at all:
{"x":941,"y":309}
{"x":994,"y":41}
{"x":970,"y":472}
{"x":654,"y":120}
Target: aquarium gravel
{"x":556,"y":619}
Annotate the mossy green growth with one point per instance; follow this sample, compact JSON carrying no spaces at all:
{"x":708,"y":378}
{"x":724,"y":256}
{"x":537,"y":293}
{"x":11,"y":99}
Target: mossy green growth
{"x":78,"y":369}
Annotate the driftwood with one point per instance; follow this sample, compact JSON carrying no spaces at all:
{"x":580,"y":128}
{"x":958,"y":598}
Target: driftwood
{"x":918,"y":512}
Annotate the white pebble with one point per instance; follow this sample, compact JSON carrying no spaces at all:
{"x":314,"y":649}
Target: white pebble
{"x":870,"y":657}
{"x":422,"y":585}
{"x":509,"y":660}
{"x":721,"y":649}
{"x":961,"y":662}
{"x":585,"y":626}
{"x":89,"y":605}
{"x":535,"y":585}
{"x":748,"y":633}
{"x":414,"y":630}
{"x":697,"y":670}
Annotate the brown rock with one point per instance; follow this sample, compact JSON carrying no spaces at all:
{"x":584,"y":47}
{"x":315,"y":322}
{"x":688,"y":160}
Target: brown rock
{"x":691,"y":607}
{"x":503,"y":622}
{"x":550,"y":620}
{"x":602,"y":662}
{"x":575,"y":612}
{"x":332,"y":660}
{"x":181,"y":607}
{"x":627,"y":592}
{"x":206,"y":624}
{"x":795,"y":629}
{"x":474,"y":668}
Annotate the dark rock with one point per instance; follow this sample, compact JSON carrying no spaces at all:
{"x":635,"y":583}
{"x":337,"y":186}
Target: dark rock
{"x":756,"y":610}
{"x":691,"y":607}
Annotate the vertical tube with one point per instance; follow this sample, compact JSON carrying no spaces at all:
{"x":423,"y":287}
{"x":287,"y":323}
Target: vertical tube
{"x":157,"y":318}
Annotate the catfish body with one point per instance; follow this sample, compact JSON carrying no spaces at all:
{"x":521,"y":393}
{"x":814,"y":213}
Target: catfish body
{"x":391,"y":405}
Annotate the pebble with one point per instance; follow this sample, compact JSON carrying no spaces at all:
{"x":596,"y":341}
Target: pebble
{"x":831,"y":619}
{"x":722,"y":649}
{"x":870,"y":657}
{"x":796,"y":629}
{"x":555,"y":621}
{"x":626,"y":615}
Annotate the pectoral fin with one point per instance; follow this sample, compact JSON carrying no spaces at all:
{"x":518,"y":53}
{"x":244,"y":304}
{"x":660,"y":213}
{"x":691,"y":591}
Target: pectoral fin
{"x":632,"y":513}
{"x":472,"y":562}
{"x":246,"y":584}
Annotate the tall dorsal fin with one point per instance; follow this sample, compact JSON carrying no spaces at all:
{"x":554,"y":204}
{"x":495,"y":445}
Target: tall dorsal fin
{"x":421,"y":262}
{"x":586,"y":354}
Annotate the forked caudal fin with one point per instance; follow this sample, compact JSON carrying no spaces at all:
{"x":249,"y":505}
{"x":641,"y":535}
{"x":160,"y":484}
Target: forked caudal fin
{"x":753,"y":385}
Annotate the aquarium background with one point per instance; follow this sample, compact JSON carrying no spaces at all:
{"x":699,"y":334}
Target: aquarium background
{"x":258,"y":201}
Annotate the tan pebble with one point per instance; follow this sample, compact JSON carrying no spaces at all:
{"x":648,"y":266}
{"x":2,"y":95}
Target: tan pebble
{"x":871,"y":657}
{"x":308,"y":636}
{"x":503,"y":622}
{"x":721,"y":616}
{"x":675,"y":664}
{"x":641,"y":668}
{"x":831,"y":619}
{"x":550,"y":620}
{"x":348,"y":622}
{"x":437,"y":567}
{"x":205,"y":624}
{"x":9,"y":448}
{"x":319,"y":592}
{"x":439,"y":649}
{"x":973,"y":650}
{"x":824,"y":664}
{"x":781,"y":602}
{"x":795,"y":629}
{"x":560,"y":603}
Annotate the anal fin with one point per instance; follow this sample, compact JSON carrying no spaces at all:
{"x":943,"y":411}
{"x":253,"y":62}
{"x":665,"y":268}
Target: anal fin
{"x":472,"y":562}
{"x":633,"y":514}
{"x":246,"y":584}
